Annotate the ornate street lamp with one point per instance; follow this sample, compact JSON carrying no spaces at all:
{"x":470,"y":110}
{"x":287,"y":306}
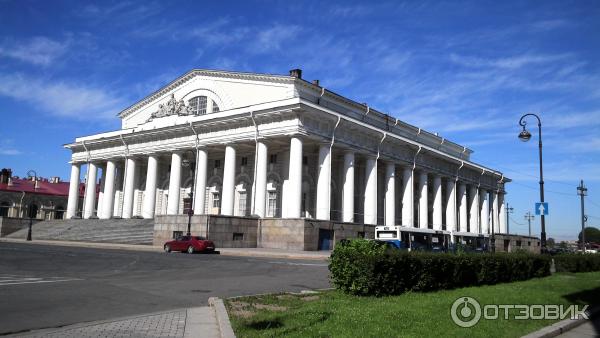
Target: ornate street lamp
{"x":186,"y":163}
{"x":31,"y":173}
{"x":525,"y":136}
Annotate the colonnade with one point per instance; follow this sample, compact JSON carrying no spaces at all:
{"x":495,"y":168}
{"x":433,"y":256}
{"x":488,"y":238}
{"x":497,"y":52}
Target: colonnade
{"x":458,"y":205}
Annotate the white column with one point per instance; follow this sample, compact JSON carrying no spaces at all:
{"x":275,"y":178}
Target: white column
{"x":294,"y":179}
{"x":370,"y":191}
{"x":408,"y":209}
{"x":174,"y":185}
{"x":200,"y":181}
{"x":423,"y":201}
{"x":348,"y":189}
{"x":450,"y":205}
{"x":102,"y":180}
{"x":90,"y":191}
{"x":109,"y":190}
{"x":484,"y":217}
{"x":73,"y":191}
{"x":390,"y":193}
{"x":473,"y":210}
{"x":150,"y":193}
{"x":463,"y":214}
{"x":228,"y":181}
{"x":324,"y":183}
{"x":502,"y":213}
{"x":437,"y":203}
{"x":130,"y":174}
{"x":495,"y":208}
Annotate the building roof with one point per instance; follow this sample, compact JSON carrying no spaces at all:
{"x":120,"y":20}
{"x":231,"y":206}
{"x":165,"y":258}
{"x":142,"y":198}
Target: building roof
{"x":43,"y":187}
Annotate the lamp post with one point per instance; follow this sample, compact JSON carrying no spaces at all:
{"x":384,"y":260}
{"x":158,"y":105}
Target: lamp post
{"x":31,"y":173}
{"x":186,"y":163}
{"x":524,"y":136}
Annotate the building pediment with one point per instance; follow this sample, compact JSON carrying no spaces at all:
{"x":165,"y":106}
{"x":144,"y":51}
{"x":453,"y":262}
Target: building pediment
{"x":200,"y":92}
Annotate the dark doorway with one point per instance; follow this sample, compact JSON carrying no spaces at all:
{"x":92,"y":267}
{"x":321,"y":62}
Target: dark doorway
{"x":4,"y":206}
{"x":33,"y":210}
{"x":325,"y":239}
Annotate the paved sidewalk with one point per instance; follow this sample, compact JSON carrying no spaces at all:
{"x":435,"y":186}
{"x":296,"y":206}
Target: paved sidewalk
{"x":275,"y":253}
{"x":192,"y":322}
{"x":240,"y":252}
{"x":590,"y":328}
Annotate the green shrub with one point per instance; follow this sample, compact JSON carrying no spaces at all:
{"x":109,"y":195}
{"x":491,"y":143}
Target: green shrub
{"x":577,"y":262}
{"x":364,"y":267}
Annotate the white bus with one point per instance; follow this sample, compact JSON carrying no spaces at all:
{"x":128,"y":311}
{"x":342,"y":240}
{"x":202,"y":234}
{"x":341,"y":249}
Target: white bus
{"x":414,"y":239}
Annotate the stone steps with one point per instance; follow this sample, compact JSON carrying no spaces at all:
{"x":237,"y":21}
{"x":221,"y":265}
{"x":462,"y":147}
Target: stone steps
{"x":122,"y":231}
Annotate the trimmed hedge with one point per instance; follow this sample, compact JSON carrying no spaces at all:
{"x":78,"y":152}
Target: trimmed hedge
{"x":577,"y":262}
{"x":364,"y":267}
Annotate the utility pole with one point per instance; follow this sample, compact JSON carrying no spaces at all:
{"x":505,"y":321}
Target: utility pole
{"x":529,"y":217}
{"x":582,"y":191}
{"x":509,"y":210}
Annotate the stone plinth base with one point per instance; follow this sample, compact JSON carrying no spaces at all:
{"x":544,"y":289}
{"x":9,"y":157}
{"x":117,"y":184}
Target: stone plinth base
{"x":272,"y":233}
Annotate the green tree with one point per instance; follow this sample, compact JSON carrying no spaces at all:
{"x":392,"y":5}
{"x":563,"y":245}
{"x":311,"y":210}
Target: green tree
{"x":551,"y":242}
{"x":592,"y":235}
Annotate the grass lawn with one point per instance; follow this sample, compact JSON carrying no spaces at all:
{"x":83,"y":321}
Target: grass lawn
{"x":334,"y":314}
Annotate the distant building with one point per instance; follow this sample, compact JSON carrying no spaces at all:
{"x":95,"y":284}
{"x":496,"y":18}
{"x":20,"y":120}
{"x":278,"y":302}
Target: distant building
{"x":38,"y":198}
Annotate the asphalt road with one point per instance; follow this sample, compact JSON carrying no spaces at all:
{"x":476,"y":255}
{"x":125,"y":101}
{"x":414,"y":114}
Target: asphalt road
{"x":51,"y":286}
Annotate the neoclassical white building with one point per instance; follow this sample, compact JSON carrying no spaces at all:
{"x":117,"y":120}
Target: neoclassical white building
{"x":276,"y":146}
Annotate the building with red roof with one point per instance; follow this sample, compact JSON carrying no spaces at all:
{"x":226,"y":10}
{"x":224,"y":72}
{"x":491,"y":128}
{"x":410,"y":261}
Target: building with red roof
{"x":35,"y":197}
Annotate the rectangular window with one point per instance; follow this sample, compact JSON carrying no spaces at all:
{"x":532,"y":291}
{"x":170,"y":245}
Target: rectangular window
{"x":272,"y":205}
{"x":273,"y":159}
{"x":242,"y":206}
{"x":238,"y":236}
{"x":304,"y":160}
{"x":216,"y":197}
{"x":177,"y":234}
{"x":217,"y":163}
{"x":244,"y":161}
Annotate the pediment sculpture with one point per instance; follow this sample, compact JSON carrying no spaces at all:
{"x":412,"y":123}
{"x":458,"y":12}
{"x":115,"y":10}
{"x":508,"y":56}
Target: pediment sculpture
{"x":172,"y":107}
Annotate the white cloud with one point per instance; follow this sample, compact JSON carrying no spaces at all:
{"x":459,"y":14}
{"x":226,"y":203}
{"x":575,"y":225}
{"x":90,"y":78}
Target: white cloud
{"x":61,"y":98}
{"x":351,"y":11}
{"x":38,"y":50}
{"x":513,"y":62}
{"x":7,"y":147}
{"x":272,"y":38}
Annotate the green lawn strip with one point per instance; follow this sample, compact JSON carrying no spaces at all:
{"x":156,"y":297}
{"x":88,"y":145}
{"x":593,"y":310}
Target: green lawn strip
{"x":335,"y":314}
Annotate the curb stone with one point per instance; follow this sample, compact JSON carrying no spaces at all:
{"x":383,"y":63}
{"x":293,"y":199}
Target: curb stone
{"x":563,"y":326}
{"x":222,"y":317}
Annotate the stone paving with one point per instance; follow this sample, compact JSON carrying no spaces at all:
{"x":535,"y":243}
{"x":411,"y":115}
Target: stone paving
{"x":194,"y":322}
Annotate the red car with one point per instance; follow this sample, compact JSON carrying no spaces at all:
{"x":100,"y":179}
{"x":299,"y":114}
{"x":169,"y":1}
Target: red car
{"x":190,"y":244}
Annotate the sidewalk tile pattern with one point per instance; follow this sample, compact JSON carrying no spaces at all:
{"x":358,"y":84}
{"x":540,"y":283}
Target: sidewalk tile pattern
{"x":167,"y":324}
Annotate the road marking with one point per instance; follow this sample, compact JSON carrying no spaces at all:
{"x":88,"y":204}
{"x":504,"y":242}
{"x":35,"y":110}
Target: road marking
{"x":18,"y":280}
{"x":304,"y":264}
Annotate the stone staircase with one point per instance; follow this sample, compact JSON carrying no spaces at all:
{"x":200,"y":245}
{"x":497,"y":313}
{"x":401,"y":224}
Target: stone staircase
{"x":122,"y":231}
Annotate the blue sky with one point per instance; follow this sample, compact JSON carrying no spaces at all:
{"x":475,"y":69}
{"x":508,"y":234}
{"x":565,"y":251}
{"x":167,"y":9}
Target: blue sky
{"x":467,"y":70}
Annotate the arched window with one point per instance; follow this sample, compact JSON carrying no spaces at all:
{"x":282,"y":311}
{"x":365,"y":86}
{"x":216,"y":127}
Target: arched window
{"x":200,"y":105}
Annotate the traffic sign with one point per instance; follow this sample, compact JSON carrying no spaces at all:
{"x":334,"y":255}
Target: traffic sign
{"x":541,"y":208}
